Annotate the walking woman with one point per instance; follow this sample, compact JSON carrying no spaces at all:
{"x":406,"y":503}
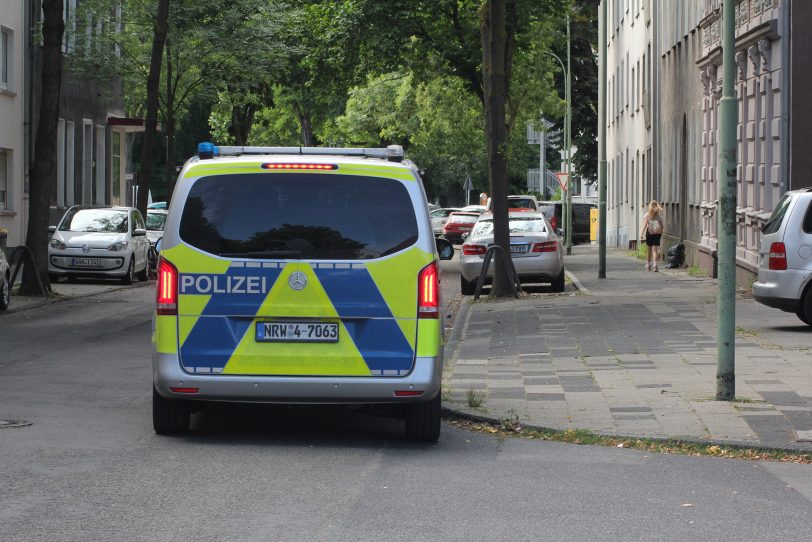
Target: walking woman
{"x":652,"y":232}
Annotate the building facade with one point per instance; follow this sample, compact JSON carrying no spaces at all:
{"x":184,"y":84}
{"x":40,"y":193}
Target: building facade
{"x":686,"y":82}
{"x":628,"y":119}
{"x":13,"y":200}
{"x":93,"y":134}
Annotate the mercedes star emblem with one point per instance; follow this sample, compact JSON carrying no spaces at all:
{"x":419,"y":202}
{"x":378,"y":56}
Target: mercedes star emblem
{"x":297,"y":280}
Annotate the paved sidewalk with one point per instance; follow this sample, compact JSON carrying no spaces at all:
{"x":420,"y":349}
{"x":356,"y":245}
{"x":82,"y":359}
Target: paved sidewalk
{"x":632,"y":355}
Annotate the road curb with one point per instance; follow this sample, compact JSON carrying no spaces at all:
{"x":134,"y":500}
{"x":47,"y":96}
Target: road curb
{"x":450,"y":413}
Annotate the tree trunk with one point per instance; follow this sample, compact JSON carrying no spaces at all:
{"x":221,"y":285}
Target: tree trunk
{"x":43,"y":159}
{"x":497,"y":50}
{"x":169,"y":129}
{"x":151,"y":122}
{"x":242,"y":120}
{"x":306,"y":125}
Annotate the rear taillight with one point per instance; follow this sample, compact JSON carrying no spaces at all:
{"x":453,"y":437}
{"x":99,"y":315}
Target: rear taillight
{"x":428,"y":292}
{"x":546,"y":246}
{"x":473,"y":250}
{"x":167,"y":288}
{"x":778,"y":257}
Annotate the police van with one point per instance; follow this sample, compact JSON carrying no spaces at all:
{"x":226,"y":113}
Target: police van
{"x":299,"y":275}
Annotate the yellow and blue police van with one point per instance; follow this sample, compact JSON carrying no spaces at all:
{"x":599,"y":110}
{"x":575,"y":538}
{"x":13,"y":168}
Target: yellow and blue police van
{"x":299,"y":275}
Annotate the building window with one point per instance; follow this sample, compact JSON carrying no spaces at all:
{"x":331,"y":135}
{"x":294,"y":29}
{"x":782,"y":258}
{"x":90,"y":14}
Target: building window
{"x":4,"y":175}
{"x":6,"y":58}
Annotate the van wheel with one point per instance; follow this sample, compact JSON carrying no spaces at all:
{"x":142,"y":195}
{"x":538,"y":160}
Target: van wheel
{"x":558,"y":282}
{"x":423,"y":421}
{"x":467,"y":287}
{"x":5,"y":293}
{"x":169,"y":417}
{"x":129,"y":276}
{"x":805,"y":310}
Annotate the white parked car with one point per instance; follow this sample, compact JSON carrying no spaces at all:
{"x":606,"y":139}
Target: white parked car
{"x":439,"y":218}
{"x":785,"y":256}
{"x":105,"y":242}
{"x":535,"y":248}
{"x":5,"y":282}
{"x":156,"y":219}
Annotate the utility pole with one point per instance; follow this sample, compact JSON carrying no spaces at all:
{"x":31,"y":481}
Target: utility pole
{"x":568,"y":91}
{"x":726,"y":302}
{"x":602,"y":143}
{"x":566,"y":202}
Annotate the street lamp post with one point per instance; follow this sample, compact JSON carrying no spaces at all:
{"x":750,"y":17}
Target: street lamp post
{"x":567,"y":204}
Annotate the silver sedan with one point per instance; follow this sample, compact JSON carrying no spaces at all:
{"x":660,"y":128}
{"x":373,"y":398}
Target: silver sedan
{"x":535,"y":249}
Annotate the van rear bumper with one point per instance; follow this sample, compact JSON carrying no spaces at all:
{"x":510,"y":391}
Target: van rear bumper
{"x":167,"y":373}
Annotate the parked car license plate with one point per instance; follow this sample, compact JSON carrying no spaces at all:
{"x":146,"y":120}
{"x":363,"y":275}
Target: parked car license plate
{"x":519,"y":249}
{"x":295,"y":332}
{"x":86,"y":262}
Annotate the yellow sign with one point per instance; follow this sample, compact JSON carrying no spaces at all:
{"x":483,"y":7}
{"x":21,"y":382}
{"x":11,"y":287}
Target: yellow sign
{"x":593,"y":224}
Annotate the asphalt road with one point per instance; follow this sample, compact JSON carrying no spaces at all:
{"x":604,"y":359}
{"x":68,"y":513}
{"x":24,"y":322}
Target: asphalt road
{"x":90,"y":467}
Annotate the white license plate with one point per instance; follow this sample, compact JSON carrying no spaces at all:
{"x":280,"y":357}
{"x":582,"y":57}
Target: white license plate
{"x":86,"y":262}
{"x":297,"y":332}
{"x":519,"y":249}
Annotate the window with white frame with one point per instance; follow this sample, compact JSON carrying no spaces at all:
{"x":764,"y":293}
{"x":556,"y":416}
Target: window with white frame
{"x":6,"y":58}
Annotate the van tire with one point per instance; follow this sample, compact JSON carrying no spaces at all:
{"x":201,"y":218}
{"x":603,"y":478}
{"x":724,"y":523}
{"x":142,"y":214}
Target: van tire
{"x":423,"y":421}
{"x":558,"y":282}
{"x":467,"y":287}
{"x":169,"y":417}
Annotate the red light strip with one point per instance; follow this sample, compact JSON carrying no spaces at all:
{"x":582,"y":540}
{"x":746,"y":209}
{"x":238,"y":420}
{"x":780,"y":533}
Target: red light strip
{"x":299,"y":166}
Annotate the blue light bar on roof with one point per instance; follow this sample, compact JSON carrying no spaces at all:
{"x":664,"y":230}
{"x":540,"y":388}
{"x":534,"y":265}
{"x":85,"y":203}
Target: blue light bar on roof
{"x":206,"y":150}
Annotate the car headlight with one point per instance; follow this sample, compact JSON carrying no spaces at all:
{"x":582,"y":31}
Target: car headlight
{"x":56,"y":244}
{"x":115,"y":247}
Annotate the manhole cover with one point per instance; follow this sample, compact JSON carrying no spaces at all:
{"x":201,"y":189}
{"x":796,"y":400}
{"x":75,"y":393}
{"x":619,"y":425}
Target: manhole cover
{"x":11,"y":424}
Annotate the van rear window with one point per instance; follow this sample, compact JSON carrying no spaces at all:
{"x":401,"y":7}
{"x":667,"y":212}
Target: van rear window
{"x":298,"y":216}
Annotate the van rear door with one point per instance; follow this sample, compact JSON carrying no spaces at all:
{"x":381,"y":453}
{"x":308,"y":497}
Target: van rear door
{"x":317,"y":275}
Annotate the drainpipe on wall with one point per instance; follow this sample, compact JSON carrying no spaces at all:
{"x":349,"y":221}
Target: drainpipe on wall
{"x":786,"y":91}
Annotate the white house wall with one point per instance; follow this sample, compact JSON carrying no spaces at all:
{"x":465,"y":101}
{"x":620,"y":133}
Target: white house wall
{"x":12,"y":120}
{"x":628,"y":140}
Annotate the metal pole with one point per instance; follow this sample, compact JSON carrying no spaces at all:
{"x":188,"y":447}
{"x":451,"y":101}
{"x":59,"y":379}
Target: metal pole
{"x":569,"y":142}
{"x":726,"y":303}
{"x":542,"y":153}
{"x":602,"y":144}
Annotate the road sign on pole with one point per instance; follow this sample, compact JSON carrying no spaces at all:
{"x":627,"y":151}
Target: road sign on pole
{"x":563,"y":180}
{"x":468,"y":184}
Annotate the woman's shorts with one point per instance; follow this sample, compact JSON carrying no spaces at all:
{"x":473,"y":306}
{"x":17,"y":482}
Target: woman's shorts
{"x":653,"y":240}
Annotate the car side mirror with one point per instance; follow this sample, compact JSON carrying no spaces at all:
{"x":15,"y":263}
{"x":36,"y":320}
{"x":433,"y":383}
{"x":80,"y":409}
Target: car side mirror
{"x":51,"y":229}
{"x":559,"y":232}
{"x":139,"y":232}
{"x":445,"y":249}
{"x":158,"y":245}
{"x":464,"y":236}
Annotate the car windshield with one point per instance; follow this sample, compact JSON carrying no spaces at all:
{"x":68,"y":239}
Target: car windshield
{"x":462,"y":218}
{"x":520,"y":203}
{"x":519,"y":226}
{"x":156,"y":221}
{"x":299,"y":216}
{"x":95,"y":220}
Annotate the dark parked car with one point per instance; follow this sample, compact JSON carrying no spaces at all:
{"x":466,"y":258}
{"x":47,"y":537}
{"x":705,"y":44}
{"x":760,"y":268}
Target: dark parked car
{"x":552,"y":210}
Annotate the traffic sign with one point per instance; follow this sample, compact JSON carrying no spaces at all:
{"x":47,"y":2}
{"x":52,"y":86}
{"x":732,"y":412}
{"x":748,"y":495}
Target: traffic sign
{"x":468,"y":184}
{"x":563,"y":180}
